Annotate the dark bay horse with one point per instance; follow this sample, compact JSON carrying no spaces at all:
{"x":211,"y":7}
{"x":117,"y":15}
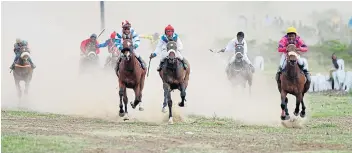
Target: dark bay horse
{"x":22,"y":72}
{"x":130,"y":75}
{"x":294,"y":82}
{"x":174,"y":76}
{"x":239,"y":72}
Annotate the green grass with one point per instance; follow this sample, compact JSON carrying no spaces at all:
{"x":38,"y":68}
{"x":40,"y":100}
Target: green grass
{"x":330,"y":106}
{"x":328,"y":130}
{"x":29,"y":143}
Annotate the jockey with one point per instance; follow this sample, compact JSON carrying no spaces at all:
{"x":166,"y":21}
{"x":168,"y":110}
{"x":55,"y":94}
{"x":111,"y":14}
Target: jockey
{"x":90,"y":44}
{"x":161,"y":46}
{"x":292,"y":37}
{"x":17,"y":49}
{"x":231,"y":47}
{"x":337,"y":64}
{"x":110,"y":42}
{"x":128,"y":33}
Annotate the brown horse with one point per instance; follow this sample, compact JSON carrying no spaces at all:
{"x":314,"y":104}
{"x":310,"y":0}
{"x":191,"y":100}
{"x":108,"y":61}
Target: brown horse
{"x":131,"y":75}
{"x":174,"y":76}
{"x":292,"y":81}
{"x":23,"y":72}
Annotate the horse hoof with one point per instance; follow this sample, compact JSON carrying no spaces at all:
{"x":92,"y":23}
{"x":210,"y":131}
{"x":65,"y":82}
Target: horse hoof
{"x":286,"y":117}
{"x":141,"y":108}
{"x":125,"y":118}
{"x":302,"y":114}
{"x":121,"y":114}
{"x":181,"y":104}
{"x":171,"y":121}
{"x":132,"y":105}
{"x":296,"y":114}
{"x":164,"y":110}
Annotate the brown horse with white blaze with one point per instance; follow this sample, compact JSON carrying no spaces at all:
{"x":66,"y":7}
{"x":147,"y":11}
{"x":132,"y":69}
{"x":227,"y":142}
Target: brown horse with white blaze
{"x":174,"y":76}
{"x":23,"y":72}
{"x":130,"y":75}
{"x":292,"y":81}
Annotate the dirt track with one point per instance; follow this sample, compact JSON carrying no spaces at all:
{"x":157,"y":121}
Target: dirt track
{"x":325,"y":131}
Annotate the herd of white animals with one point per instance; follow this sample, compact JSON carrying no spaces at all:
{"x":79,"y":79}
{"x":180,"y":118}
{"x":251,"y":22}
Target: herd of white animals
{"x":342,"y":80}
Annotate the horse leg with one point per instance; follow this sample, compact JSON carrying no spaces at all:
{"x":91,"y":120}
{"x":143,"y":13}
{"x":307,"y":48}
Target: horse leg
{"x":298,"y":102}
{"x":18,"y":87}
{"x":137,"y":91}
{"x":284,"y":115}
{"x":183,"y":95}
{"x":303,"y":112}
{"x":169,"y":100}
{"x":125,"y":101}
{"x":26,"y":87}
{"x":122,"y":94}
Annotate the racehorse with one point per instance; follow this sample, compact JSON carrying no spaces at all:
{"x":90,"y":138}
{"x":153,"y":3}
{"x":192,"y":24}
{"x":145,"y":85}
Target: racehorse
{"x":111,"y":60}
{"x":23,"y":72}
{"x":239,"y":71}
{"x":89,"y":60}
{"x":174,"y":76}
{"x":292,"y":81}
{"x":130,"y":75}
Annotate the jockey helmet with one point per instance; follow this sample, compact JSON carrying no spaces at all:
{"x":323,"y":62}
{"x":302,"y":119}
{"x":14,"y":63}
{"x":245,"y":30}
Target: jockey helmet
{"x":24,"y":43}
{"x":18,"y":40}
{"x":93,"y":36}
{"x":126,"y":24}
{"x":240,"y":34}
{"x":291,"y":30}
{"x":169,"y":30}
{"x":113,"y":35}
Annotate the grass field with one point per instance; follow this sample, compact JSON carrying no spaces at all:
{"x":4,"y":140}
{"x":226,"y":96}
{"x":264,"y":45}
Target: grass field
{"x":329,"y":130}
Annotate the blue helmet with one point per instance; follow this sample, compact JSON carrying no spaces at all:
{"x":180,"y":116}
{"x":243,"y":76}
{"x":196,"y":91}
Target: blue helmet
{"x":25,"y":43}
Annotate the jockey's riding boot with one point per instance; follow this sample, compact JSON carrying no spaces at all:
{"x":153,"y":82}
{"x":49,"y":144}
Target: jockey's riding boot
{"x":160,"y":66}
{"x":142,"y":62}
{"x":305,"y":71}
{"x":12,"y":66}
{"x":184,"y":64}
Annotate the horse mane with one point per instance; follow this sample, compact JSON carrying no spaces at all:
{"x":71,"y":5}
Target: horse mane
{"x":292,"y":71}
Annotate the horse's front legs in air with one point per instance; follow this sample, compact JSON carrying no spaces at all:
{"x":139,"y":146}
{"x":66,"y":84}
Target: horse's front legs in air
{"x":183,"y":95}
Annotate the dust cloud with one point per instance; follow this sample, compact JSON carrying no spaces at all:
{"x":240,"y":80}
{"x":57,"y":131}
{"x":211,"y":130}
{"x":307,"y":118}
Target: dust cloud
{"x":54,"y":31}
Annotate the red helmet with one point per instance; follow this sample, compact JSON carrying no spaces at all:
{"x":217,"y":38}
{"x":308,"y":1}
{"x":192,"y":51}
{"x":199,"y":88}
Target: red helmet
{"x":126,"y":23}
{"x":169,"y":30}
{"x":169,"y":27}
{"x":113,"y":35}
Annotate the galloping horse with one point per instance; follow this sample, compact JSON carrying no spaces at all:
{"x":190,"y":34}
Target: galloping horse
{"x":23,"y":72}
{"x":89,"y":60}
{"x":239,"y":71}
{"x":111,"y":60}
{"x":174,"y":76}
{"x":131,"y":75}
{"x":292,"y":81}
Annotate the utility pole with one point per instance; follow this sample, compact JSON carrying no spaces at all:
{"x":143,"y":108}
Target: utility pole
{"x":102,"y":17}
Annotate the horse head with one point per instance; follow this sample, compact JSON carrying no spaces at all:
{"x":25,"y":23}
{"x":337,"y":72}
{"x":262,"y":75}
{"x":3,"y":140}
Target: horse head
{"x":292,"y":55}
{"x":239,"y":51}
{"x":127,"y":46}
{"x":25,"y":55}
{"x":171,"y":48}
